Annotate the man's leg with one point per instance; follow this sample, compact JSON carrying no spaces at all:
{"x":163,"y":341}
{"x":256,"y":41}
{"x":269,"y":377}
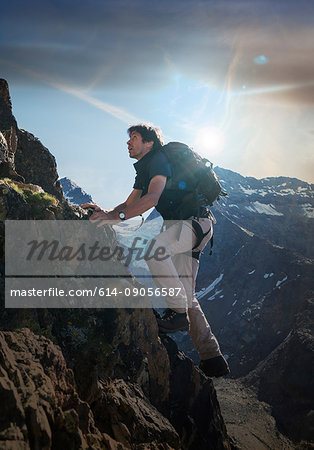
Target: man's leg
{"x":173,"y":241}
{"x":176,"y":239}
{"x":204,"y":341}
{"x":180,"y":271}
{"x":200,"y":331}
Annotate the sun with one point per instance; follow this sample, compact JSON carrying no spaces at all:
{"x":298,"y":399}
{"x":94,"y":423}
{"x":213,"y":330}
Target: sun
{"x":209,"y":141}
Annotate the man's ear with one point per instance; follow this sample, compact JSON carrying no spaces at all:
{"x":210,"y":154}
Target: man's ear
{"x":149,"y":144}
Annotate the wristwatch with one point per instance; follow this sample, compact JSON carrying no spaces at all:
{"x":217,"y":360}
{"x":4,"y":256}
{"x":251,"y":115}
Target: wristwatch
{"x":121,"y":215}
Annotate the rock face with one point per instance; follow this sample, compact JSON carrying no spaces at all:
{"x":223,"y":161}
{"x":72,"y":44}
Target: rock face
{"x":8,"y":134}
{"x":8,"y":126}
{"x":43,"y":408}
{"x":124,"y":411}
{"x":285,"y":377}
{"x":22,"y":156}
{"x":140,"y":390}
{"x":189,"y":394}
{"x":40,"y":405}
{"x":21,"y":201}
{"x":122,"y":390}
{"x":36,"y":164}
{"x":3,"y":147}
{"x":249,"y":421}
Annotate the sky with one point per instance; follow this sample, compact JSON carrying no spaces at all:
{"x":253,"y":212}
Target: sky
{"x":232,"y":78}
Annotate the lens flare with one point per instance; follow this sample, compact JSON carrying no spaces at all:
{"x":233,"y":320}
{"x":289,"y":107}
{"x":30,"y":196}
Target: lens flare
{"x":209,"y":141}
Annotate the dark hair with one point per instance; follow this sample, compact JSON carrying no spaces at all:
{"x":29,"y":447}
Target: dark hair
{"x":148,"y":133}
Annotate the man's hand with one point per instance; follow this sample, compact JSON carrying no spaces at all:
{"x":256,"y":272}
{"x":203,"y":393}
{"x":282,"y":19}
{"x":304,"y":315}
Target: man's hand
{"x":102,"y":217}
{"x":134,"y":205}
{"x":91,"y":206}
{"x":99,"y":214}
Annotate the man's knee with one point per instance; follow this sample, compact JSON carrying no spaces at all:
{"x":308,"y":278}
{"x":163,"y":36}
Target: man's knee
{"x":155,"y":252}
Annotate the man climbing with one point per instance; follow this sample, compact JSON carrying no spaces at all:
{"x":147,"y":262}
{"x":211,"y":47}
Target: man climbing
{"x":180,"y":239}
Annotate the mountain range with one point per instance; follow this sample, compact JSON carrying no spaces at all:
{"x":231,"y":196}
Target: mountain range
{"x":257,"y":291}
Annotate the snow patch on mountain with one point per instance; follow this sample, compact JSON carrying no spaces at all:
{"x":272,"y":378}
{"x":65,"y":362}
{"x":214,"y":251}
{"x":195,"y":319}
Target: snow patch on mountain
{"x":263,"y":208}
{"x":239,"y":250}
{"x":248,"y":191}
{"x":260,"y":192}
{"x":308,"y":210}
{"x":286,"y":192}
{"x":209,"y":288}
{"x":268,"y":275}
{"x":214,"y":296}
{"x":281,"y":281}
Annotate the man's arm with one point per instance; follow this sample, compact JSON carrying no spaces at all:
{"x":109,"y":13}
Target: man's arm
{"x":155,"y":188}
{"x":133,"y":197}
{"x":134,"y":204}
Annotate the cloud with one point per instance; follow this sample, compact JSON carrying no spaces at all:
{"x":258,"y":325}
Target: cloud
{"x":118,"y":113}
{"x":285,"y":93}
{"x":122,"y":45}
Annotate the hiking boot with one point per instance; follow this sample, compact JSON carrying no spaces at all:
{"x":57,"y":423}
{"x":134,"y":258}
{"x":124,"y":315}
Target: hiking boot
{"x":215,"y":367}
{"x":171,"y":322}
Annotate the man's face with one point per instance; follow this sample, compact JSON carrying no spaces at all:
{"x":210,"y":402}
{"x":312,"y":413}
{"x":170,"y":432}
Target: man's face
{"x":138,"y":148}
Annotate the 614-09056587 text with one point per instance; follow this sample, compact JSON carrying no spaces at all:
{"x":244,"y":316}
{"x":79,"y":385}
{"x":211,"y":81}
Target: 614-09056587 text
{"x":99,"y":291}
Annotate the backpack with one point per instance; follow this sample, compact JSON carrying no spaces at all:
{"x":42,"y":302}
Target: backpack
{"x":192,"y":185}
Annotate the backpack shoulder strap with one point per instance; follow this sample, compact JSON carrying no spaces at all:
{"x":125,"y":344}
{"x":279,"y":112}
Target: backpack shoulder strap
{"x":199,"y":233}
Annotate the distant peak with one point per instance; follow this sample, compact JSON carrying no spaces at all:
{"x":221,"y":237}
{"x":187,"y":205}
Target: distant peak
{"x":5,"y":93}
{"x":74,"y":193}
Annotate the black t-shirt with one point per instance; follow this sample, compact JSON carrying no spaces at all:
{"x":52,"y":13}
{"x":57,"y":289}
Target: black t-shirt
{"x":171,"y":204}
{"x":152,"y":164}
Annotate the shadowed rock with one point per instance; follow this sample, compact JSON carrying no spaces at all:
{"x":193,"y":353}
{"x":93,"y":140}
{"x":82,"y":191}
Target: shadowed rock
{"x":8,"y":125}
{"x":285,"y":378}
{"x":40,"y":405}
{"x":36,"y":164}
